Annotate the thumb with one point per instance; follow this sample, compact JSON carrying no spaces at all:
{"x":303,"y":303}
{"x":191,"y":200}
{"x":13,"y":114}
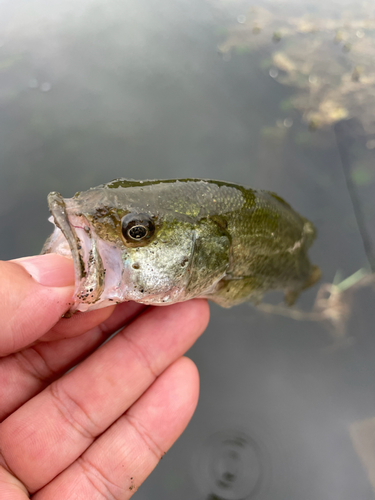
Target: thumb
{"x":34,"y":293}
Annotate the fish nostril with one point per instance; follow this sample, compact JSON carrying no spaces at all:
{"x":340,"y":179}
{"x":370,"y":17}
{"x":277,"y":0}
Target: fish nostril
{"x":135,"y":265}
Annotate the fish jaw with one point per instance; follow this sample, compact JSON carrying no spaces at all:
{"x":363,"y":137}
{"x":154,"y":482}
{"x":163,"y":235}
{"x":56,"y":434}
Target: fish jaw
{"x":95,"y":264}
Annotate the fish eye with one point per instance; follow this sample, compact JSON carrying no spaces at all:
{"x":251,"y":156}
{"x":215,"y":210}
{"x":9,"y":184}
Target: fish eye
{"x":137,"y":228}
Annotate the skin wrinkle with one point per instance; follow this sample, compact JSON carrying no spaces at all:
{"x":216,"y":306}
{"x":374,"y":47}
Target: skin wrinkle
{"x":64,"y":409}
{"x":145,"y":436}
{"x":140,"y":353}
{"x":28,"y":363}
{"x":90,"y":471}
{"x":5,"y":466}
{"x":15,"y":482}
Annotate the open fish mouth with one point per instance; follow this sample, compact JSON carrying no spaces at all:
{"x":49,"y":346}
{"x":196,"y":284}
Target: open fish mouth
{"x":73,"y":237}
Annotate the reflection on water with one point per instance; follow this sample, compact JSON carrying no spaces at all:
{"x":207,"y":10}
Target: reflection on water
{"x":236,"y":90}
{"x":232,"y":466}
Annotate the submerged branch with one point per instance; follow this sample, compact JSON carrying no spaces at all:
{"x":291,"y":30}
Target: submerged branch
{"x":332,"y":306}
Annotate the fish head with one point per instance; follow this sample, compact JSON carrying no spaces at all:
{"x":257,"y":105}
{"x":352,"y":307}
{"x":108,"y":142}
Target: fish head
{"x":128,"y":251}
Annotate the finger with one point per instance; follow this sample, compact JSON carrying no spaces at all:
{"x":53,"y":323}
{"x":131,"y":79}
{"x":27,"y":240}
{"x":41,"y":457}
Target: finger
{"x":53,"y":429}
{"x":118,"y":462}
{"x":30,"y":307}
{"x":11,"y":488}
{"x":77,"y":324}
{"x":27,"y":372}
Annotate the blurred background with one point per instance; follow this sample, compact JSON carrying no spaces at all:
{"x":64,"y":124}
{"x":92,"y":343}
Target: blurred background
{"x":278,"y":95}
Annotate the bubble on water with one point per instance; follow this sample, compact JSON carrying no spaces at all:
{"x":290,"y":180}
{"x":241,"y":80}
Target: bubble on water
{"x":33,"y":83}
{"x":241,"y":19}
{"x":313,"y":79}
{"x":360,"y":33}
{"x":45,"y":87}
{"x":233,"y":466}
{"x":288,"y":122}
{"x":273,"y":72}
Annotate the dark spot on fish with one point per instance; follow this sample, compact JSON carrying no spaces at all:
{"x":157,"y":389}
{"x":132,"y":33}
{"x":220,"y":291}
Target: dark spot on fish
{"x":135,"y":265}
{"x":91,"y":289}
{"x":141,"y":290}
{"x":111,"y":300}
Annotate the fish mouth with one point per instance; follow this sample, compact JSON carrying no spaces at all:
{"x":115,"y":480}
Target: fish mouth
{"x":74,"y":238}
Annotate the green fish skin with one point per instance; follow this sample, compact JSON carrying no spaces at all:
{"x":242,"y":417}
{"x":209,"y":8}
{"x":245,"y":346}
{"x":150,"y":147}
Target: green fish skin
{"x":164,"y":241}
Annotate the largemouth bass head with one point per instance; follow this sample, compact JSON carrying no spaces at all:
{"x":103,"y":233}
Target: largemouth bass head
{"x":126,"y":251}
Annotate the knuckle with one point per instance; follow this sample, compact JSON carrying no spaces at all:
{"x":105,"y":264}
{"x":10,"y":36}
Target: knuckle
{"x":73,"y":412}
{"x":145,"y":436}
{"x":141,"y":354}
{"x":32,"y":362}
{"x":99,"y":482}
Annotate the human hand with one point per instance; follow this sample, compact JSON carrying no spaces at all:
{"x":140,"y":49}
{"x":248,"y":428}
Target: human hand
{"x":97,"y":431}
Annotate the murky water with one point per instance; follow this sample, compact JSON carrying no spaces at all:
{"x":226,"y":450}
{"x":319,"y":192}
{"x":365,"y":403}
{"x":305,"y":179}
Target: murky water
{"x":91,"y":91}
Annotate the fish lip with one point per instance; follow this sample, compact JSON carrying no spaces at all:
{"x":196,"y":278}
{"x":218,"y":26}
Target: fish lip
{"x":57,"y":207}
{"x":88,"y":266}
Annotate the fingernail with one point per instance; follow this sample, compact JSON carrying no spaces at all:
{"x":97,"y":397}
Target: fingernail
{"x":49,"y":270}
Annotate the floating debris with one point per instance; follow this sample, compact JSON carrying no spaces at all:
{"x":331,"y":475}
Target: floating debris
{"x":329,"y":84}
{"x":273,"y":73}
